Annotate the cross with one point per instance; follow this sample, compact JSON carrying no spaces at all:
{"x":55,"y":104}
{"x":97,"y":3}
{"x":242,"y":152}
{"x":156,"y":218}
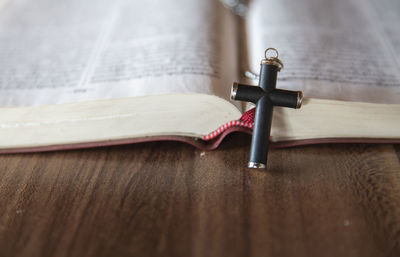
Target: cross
{"x":265,"y":96}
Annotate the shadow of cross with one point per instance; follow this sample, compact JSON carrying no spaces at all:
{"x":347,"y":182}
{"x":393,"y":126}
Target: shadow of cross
{"x":265,"y":96}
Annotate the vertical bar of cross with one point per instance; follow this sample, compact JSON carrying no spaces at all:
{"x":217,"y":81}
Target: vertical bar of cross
{"x":263,"y":116}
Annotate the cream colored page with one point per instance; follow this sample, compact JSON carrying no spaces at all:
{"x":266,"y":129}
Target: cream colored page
{"x":342,"y":50}
{"x":108,"y":120}
{"x":72,"y":50}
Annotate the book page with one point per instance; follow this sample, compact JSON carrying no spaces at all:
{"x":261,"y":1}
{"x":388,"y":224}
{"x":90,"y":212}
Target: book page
{"x":72,"y":50}
{"x":341,"y":50}
{"x":2,"y":3}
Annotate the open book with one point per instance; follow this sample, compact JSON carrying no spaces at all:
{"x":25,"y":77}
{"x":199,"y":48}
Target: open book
{"x":79,"y":73}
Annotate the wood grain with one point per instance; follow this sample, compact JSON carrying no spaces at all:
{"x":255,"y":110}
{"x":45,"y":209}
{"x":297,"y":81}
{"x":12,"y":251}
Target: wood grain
{"x":170,"y":199}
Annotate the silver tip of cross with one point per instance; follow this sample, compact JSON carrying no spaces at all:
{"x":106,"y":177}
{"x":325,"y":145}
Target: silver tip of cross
{"x":234,"y":90}
{"x":299,"y":99}
{"x":256,"y":165}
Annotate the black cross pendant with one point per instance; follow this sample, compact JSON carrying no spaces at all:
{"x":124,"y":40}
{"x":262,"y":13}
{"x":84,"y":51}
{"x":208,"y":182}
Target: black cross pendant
{"x":265,"y":96}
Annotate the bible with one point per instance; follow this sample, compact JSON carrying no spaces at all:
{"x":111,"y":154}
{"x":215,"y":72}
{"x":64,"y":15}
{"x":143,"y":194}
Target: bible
{"x":90,"y":73}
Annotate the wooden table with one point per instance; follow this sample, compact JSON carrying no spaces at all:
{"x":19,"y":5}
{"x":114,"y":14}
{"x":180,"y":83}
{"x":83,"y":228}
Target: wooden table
{"x":170,"y":199}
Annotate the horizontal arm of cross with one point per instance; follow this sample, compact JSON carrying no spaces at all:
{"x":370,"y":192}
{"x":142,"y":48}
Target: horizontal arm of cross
{"x":278,"y":97}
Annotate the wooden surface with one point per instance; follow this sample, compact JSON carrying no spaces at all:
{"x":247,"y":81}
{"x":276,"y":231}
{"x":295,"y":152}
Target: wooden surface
{"x":169,"y":199}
